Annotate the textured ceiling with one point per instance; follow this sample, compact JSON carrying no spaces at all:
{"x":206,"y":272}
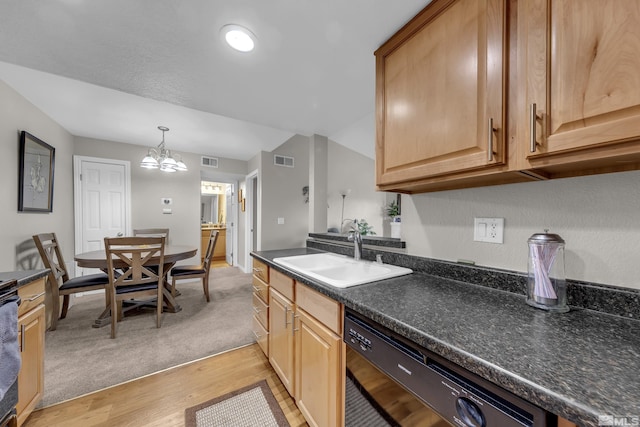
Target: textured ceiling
{"x":116,"y":69}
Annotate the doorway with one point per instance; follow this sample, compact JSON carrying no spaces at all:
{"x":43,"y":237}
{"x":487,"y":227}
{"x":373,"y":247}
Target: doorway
{"x":253,"y":220}
{"x":218,"y":211}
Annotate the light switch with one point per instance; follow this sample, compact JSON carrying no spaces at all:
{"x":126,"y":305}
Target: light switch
{"x":280,"y":221}
{"x":489,"y":230}
{"x":166,"y":211}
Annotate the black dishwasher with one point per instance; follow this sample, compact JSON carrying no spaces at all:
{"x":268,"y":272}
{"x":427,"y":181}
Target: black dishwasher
{"x":452,"y":394}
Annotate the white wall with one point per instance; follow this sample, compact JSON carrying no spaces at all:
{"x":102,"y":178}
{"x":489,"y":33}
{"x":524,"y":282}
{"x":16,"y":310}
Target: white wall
{"x":349,"y":170}
{"x":17,"y":114}
{"x":281,"y":192}
{"x":149,"y":186}
{"x":598,"y":217}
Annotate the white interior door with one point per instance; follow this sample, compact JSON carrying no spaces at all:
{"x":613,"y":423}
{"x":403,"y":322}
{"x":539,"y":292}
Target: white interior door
{"x":102,"y":199}
{"x":232,"y":206}
{"x":252,"y":217}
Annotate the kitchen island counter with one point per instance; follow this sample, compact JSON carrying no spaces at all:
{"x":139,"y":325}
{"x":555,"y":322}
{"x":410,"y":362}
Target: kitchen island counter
{"x":580,"y":365}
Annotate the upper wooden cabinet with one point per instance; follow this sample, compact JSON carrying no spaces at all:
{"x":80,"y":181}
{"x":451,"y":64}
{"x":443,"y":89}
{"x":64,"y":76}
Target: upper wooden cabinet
{"x":558,"y":80}
{"x":579,"y":66}
{"x":440,"y":88}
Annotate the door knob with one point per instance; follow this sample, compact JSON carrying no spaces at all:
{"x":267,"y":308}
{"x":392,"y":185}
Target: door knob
{"x":120,"y":234}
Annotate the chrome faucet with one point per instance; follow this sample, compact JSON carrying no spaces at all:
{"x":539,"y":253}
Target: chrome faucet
{"x":356,"y":238}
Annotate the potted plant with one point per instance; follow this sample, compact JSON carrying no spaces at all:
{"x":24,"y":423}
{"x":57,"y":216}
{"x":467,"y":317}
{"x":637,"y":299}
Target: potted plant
{"x":365,"y":229}
{"x":393,"y":212}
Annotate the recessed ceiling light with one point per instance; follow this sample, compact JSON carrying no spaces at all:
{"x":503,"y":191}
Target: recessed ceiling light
{"x":238,"y":37}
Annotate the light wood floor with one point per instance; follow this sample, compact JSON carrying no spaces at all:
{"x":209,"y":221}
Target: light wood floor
{"x":219,"y":263}
{"x":160,"y":399}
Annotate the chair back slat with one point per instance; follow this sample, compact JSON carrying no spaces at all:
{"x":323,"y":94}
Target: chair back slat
{"x":129,"y":258}
{"x":213,"y":238}
{"x":49,"y":249}
{"x":152,"y":232}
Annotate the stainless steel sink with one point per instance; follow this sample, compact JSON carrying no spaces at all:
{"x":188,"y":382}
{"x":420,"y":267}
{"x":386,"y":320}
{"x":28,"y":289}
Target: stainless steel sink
{"x":339,"y":270}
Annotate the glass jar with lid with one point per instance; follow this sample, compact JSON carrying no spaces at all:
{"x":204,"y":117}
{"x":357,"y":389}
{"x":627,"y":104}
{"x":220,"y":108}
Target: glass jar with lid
{"x":546,"y":284}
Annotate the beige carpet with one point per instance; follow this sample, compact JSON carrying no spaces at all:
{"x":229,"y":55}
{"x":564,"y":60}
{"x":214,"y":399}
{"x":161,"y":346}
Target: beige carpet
{"x":250,"y":406}
{"x":80,"y":359}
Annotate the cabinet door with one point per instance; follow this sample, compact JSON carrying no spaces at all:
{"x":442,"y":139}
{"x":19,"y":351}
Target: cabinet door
{"x":439,"y":82}
{"x":581,"y":72}
{"x":281,"y":312}
{"x":220,"y":251}
{"x":31,"y":327}
{"x":319,"y":372}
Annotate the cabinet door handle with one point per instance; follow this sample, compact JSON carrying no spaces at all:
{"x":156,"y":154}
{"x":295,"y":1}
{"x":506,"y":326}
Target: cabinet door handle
{"x":257,"y":335}
{"x":256,"y":289}
{"x":35,"y":297}
{"x":293,"y":323}
{"x":256,"y":309}
{"x":286,"y":312}
{"x":490,"y":139}
{"x":533,"y":120}
{"x":257,"y":270}
{"x":23,"y":330}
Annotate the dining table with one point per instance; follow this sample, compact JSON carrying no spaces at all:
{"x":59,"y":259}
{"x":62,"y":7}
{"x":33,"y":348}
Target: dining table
{"x":172,"y":254}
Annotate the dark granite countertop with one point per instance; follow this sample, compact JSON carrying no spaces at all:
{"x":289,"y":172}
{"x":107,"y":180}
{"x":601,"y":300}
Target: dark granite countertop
{"x":579,"y":365}
{"x":366,"y":240}
{"x":23,"y":277}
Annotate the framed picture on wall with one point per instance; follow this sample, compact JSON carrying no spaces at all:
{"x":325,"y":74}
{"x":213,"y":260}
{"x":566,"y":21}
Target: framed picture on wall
{"x":35,"y":181}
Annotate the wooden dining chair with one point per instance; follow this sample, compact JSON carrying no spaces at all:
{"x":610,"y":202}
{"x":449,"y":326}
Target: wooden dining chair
{"x":59,"y":282}
{"x":152,"y":232}
{"x":128,"y":262}
{"x":183,"y":272}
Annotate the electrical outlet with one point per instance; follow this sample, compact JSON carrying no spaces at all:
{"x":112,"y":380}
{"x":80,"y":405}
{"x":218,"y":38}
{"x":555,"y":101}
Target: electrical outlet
{"x":489,"y":230}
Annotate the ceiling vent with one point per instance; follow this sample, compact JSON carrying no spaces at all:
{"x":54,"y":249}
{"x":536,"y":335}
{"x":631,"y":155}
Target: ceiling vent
{"x":279,"y":160}
{"x":210,"y":162}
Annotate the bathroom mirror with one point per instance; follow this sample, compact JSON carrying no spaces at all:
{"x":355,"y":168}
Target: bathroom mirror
{"x":213,"y":203}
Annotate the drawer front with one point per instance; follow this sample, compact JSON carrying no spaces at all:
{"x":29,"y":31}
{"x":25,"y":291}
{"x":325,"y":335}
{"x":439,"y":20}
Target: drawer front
{"x":261,"y":311}
{"x":261,"y":270}
{"x":261,"y":289}
{"x":282,"y":283}
{"x":262,"y":336}
{"x":31,"y":295}
{"x":323,"y":308}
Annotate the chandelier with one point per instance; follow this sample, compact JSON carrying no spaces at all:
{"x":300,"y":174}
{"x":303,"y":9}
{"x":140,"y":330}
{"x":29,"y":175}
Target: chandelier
{"x":161,"y":157}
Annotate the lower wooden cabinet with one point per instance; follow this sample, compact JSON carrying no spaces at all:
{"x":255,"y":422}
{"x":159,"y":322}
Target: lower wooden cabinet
{"x":281,"y":313}
{"x":31,"y":327}
{"x":260,"y":281}
{"x":306,"y":349}
{"x":319,"y":376}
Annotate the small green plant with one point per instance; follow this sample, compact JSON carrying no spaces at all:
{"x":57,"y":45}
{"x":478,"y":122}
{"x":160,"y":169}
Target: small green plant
{"x":365,"y":229}
{"x":393,"y":209}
